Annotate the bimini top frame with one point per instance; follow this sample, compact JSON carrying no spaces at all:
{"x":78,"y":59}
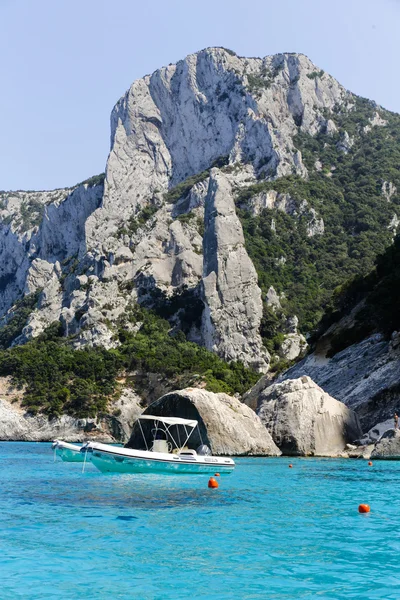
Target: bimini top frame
{"x":169,"y":422}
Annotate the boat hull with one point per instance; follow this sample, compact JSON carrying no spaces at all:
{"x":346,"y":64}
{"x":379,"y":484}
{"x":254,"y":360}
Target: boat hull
{"x":113,"y":463}
{"x":69,"y":455}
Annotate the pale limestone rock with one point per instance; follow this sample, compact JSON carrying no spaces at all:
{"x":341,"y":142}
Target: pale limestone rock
{"x":394,"y":223}
{"x":315,"y":225}
{"x":377,"y":120}
{"x":271,"y":200}
{"x":376,"y":432}
{"x":292,"y":324}
{"x":274,"y":200}
{"x":250,"y":398}
{"x":127,"y":410}
{"x":331,"y":128}
{"x":194,"y":199}
{"x":232,"y":298}
{"x":272,"y":299}
{"x":388,"y":446}
{"x":30,"y":257}
{"x":388,"y":190}
{"x":168,"y":126}
{"x":304,"y":420}
{"x":318,"y":165}
{"x":346,"y":143}
{"x":149,"y":155}
{"x":357,"y":376}
{"x":167,"y":256}
{"x":293,"y":345}
{"x":227,"y":426}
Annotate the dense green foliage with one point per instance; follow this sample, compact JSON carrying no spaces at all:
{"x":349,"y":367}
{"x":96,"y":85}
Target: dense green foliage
{"x":377,"y":296}
{"x":81,"y":382}
{"x":184,"y":303}
{"x":32,"y":214}
{"x":14,"y":325}
{"x":92,"y":181}
{"x":137,"y":221}
{"x":315,"y":74}
{"x":183,"y":188}
{"x":154,"y":350}
{"x":347,"y":194}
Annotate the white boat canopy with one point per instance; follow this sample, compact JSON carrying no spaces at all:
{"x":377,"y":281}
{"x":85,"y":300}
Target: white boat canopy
{"x":170,"y":420}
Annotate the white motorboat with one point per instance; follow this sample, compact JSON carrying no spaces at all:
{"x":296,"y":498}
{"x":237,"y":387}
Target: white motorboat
{"x":164,"y":454}
{"x":68,"y":452}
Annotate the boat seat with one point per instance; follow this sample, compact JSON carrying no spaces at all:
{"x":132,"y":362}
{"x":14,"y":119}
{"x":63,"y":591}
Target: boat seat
{"x":188,"y":451}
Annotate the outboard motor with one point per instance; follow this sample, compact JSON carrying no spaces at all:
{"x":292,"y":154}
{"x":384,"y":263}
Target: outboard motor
{"x":203,"y":450}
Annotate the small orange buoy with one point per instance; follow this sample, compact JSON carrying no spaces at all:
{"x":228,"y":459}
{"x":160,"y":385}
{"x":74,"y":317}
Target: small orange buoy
{"x":290,"y":466}
{"x":216,"y":475}
{"x":364,"y":508}
{"x":212,"y":483}
{"x":370,"y":463}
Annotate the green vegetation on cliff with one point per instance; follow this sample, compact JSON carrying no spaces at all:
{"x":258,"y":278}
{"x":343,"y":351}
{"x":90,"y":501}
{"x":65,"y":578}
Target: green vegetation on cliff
{"x":59,"y":379}
{"x":347,"y":193}
{"x":376,"y":297}
{"x":17,"y":320}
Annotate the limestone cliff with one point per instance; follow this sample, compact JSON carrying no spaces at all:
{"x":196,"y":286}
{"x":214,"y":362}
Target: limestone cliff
{"x":97,"y":247}
{"x":159,"y":223}
{"x":232,"y":298}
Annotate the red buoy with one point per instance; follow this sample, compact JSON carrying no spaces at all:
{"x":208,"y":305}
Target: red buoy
{"x":216,"y":475}
{"x":212,"y":483}
{"x":290,"y":466}
{"x":364,"y":508}
{"x":370,"y":463}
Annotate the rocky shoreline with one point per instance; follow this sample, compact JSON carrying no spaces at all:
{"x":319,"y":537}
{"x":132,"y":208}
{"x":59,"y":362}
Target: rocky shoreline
{"x":291,"y":418}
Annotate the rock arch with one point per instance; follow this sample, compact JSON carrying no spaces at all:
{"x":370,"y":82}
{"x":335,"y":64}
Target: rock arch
{"x":226,"y":425}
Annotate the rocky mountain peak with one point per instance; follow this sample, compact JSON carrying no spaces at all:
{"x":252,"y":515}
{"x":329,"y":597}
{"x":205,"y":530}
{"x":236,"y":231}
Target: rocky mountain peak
{"x":166,"y":222}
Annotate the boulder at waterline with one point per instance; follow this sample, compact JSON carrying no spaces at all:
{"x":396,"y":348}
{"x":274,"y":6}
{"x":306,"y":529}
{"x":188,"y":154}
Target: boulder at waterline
{"x":388,"y":446}
{"x":226,"y":425}
{"x":374,"y":434}
{"x":303,"y":420}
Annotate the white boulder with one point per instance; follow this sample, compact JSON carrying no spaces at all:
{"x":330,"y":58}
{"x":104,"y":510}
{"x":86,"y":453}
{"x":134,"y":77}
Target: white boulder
{"x":304,"y":420}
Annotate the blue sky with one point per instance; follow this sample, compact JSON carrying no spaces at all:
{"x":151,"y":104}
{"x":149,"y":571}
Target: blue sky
{"x":64,"y":64}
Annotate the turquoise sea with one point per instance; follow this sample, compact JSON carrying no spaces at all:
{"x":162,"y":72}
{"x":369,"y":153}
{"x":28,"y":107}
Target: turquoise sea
{"x":267,"y":532}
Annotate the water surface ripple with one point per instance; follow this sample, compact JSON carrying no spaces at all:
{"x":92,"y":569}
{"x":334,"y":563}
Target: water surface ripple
{"x":267,"y":532}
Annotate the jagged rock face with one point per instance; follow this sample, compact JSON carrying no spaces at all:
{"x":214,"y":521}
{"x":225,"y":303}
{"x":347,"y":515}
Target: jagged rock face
{"x":304,"y":420}
{"x":388,"y":446}
{"x":233,"y":306}
{"x":364,"y":376}
{"x":227,"y":426}
{"x":39,"y":230}
{"x":76,"y":244}
{"x":272,"y":299}
{"x":176,"y":122}
{"x":293,"y":345}
{"x":376,"y":432}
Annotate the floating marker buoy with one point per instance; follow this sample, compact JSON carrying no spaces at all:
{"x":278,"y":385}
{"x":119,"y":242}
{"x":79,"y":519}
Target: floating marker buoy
{"x":290,"y":466}
{"x":364,"y":508}
{"x":212,"y":483}
{"x":370,"y":463}
{"x":216,"y":475}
